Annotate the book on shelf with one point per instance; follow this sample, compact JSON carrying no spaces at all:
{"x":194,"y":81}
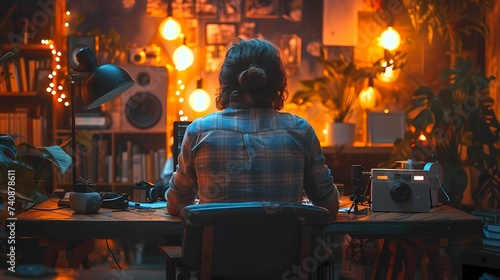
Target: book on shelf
{"x":491,"y":243}
{"x":493,"y":228}
{"x":13,"y":72}
{"x":491,"y":234}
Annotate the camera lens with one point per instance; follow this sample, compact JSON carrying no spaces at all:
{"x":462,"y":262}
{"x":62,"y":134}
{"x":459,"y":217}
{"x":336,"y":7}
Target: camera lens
{"x":401,"y":192}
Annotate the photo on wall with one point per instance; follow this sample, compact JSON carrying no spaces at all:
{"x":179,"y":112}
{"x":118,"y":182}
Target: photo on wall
{"x":220,"y":33}
{"x":230,"y":10}
{"x":183,"y":8}
{"x":262,"y":8}
{"x":291,"y":49}
{"x":206,"y":8}
{"x":292,"y":10}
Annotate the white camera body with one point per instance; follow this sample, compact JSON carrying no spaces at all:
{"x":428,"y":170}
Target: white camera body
{"x":404,"y":190}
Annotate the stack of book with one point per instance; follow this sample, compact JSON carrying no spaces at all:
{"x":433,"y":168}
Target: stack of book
{"x":491,"y":240}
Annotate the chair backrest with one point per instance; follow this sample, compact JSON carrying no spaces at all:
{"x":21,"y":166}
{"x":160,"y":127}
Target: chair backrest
{"x":254,"y":240}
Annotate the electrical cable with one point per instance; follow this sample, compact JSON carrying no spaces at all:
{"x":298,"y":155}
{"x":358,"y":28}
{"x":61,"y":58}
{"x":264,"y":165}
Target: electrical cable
{"x":112,"y":254}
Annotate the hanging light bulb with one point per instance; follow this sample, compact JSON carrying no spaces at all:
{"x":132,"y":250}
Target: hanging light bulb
{"x":368,"y":96}
{"x":199,"y":100}
{"x":389,"y":39}
{"x":170,"y":29}
{"x":183,"y":57}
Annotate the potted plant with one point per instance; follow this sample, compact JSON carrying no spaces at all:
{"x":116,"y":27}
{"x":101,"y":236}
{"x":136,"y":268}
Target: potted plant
{"x":459,"y":126}
{"x":84,"y":199}
{"x":336,"y":91}
{"x":33,"y":168}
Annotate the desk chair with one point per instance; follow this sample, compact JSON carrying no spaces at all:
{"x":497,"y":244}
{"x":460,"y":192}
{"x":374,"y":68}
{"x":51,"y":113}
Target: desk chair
{"x":250,"y":240}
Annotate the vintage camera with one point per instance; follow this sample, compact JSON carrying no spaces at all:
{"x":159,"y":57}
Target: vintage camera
{"x":144,"y":192}
{"x":400,"y":190}
{"x":149,"y":55}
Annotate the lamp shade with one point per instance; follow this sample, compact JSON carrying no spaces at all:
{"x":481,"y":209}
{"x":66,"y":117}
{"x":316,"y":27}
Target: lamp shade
{"x":102,"y":82}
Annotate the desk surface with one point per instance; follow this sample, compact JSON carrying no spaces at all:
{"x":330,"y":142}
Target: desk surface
{"x":439,"y":222}
{"x":107,"y":223}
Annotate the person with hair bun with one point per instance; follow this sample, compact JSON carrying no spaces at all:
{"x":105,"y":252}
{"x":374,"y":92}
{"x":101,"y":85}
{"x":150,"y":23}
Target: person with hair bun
{"x":249,"y":151}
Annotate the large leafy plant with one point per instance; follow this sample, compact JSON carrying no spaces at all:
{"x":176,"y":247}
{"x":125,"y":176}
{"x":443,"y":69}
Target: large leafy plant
{"x":32,"y":166}
{"x":335,"y":89}
{"x":461,"y":128}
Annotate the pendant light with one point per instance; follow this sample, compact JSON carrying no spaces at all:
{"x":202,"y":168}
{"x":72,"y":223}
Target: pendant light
{"x":170,"y":29}
{"x":183,"y":56}
{"x":368,"y":96}
{"x":389,"y":39}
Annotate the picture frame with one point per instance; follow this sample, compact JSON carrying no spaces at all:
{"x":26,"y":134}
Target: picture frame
{"x":230,"y":10}
{"x":247,"y":30}
{"x":292,"y":10}
{"x":219,"y":33}
{"x":206,"y":8}
{"x":291,"y":49}
{"x":262,"y":9}
{"x":191,"y":33}
{"x":384,"y":128}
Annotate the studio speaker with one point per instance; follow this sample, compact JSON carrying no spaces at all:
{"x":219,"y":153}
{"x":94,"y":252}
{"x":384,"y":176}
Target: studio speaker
{"x":75,"y":43}
{"x":144,"y":104}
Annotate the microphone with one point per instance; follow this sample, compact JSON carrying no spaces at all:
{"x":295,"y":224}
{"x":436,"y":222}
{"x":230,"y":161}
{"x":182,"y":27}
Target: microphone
{"x":356,"y":176}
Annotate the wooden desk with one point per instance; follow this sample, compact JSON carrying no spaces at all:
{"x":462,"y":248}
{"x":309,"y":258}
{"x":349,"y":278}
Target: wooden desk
{"x":442,"y":222}
{"x":107,"y":223}
{"x":415,"y":232}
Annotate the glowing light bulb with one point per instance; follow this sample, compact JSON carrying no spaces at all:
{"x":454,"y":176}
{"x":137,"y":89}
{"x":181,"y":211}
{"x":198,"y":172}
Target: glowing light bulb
{"x":170,"y":29}
{"x":183,"y":57}
{"x":389,"y":39}
{"x":199,"y":100}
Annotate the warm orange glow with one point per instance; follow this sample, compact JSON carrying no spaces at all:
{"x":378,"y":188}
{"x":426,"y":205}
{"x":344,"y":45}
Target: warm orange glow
{"x":422,"y":138}
{"x":389,"y":39}
{"x":170,"y":29}
{"x":368,"y":98}
{"x":183,"y":58}
{"x":389,"y":75}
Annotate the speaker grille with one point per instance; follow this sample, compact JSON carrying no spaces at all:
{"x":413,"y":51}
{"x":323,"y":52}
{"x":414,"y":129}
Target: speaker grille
{"x":144,"y":104}
{"x":143,"y":110}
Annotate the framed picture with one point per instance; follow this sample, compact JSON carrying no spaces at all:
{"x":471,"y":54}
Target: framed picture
{"x":262,"y":9}
{"x":214,"y":55}
{"x":230,"y":10}
{"x":247,"y":30}
{"x":190,"y":29}
{"x":205,"y":8}
{"x":41,"y":80}
{"x":292,"y":10}
{"x":384,"y":128}
{"x":291,"y":49}
{"x":183,"y":8}
{"x":220,"y":33}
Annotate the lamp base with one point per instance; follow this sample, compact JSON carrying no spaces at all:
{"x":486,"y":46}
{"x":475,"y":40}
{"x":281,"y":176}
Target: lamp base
{"x":85,"y":203}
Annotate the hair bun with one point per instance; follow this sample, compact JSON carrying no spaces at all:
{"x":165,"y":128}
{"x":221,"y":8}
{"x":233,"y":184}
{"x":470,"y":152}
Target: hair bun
{"x":252,"y":78}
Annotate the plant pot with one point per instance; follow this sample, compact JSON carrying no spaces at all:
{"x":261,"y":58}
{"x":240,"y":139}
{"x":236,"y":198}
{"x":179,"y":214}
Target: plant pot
{"x":340,"y":134}
{"x":85,"y":203}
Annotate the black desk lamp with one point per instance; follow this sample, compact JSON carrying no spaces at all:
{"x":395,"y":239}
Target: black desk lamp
{"x":101,"y":84}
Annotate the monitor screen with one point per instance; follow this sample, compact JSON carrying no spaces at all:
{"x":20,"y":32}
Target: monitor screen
{"x":179,"y":129}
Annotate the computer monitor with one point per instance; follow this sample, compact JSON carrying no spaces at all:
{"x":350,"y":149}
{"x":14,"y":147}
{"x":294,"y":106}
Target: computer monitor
{"x":179,"y":129}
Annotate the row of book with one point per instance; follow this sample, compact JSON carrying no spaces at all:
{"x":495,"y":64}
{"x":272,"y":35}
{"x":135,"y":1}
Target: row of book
{"x":491,"y":239}
{"x":22,"y":127}
{"x":24,"y":75}
{"x":128,"y":164}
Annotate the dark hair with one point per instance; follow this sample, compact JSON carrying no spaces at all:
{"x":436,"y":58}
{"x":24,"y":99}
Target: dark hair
{"x":253,"y":66}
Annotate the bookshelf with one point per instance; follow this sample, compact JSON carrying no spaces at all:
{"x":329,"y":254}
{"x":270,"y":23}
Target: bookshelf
{"x":116,"y":159}
{"x":25,"y":109}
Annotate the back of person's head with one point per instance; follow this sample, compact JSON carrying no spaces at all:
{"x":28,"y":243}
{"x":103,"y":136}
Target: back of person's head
{"x":253,"y":67}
